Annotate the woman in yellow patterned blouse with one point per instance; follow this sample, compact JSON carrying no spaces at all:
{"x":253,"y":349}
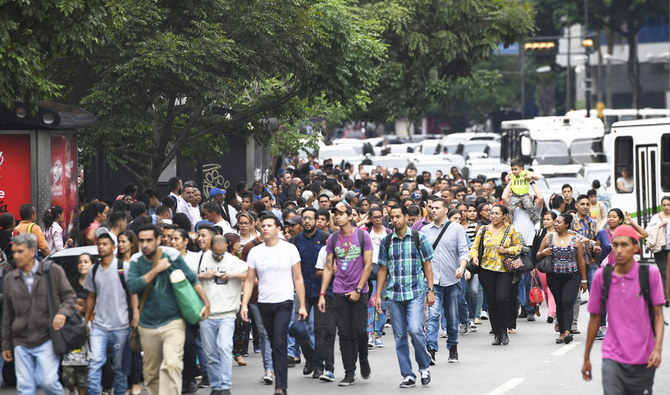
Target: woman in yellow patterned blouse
{"x":500,"y":240}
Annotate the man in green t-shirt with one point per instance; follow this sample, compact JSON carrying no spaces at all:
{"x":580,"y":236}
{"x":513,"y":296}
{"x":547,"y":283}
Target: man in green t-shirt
{"x":161,"y":328}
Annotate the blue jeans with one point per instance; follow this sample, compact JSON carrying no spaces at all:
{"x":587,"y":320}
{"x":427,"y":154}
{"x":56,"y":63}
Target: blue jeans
{"x":2,"y":364}
{"x":376,"y":320}
{"x":407,"y":317}
{"x":462,"y":304}
{"x":101,"y":339}
{"x":590,"y":272}
{"x":471,"y":293}
{"x":217,"y":343}
{"x":264,"y":341}
{"x":447,"y":305}
{"x":37,"y":367}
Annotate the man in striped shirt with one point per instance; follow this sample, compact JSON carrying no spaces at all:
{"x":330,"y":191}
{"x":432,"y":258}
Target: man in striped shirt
{"x":405,"y":268}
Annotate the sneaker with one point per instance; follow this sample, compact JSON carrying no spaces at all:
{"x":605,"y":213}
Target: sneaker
{"x":600,"y":335}
{"x":268,"y":377}
{"x":472,"y":326}
{"x":257,"y":349}
{"x":408,"y":382}
{"x":317,"y":373}
{"x":462,"y":329}
{"x":453,"y":354}
{"x":371,"y":342}
{"x":523,"y":314}
{"x":550,"y":319}
{"x":327,"y":376}
{"x":307,"y":369}
{"x":204,"y":383}
{"x":530,"y":317}
{"x":346,"y":381}
{"x":443,"y":335}
{"x":432,"y":357}
{"x":484,"y":315}
{"x":425,"y":377}
{"x":291,"y":362}
{"x":379,"y":343}
{"x":365,"y":369}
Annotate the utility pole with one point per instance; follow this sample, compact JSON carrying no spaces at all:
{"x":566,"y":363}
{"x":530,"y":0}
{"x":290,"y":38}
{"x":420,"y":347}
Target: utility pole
{"x":565,"y":20}
{"x":587,"y":66}
{"x":522,"y":60}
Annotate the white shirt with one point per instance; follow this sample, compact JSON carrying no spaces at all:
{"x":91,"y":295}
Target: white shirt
{"x":193,"y":213}
{"x":376,"y":241}
{"x":232,"y":212}
{"x":224,"y":298}
{"x":225,"y":226}
{"x":321,"y":259}
{"x":192,"y":259}
{"x":524,"y":225}
{"x":274,"y":270}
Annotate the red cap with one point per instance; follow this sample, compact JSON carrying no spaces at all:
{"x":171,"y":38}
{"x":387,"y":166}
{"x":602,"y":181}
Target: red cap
{"x":626,"y":230}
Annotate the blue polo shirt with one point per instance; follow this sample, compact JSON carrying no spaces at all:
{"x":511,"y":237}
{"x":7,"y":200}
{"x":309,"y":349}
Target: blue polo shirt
{"x":309,"y":248}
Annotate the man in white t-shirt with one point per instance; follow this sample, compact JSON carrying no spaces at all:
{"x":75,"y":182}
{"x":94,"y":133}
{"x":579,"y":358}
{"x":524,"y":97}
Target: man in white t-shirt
{"x":376,"y":320}
{"x":221,"y":275}
{"x":214,"y":214}
{"x":276,"y":264}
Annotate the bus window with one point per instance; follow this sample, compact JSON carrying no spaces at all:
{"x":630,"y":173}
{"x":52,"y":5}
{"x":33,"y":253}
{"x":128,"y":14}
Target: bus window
{"x":623,"y":164}
{"x":665,"y":163}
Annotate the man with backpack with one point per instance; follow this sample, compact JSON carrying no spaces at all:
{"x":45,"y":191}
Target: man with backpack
{"x":27,"y":225}
{"x":350,"y":251}
{"x":115,"y":312}
{"x":405,"y":267}
{"x":632,"y":295}
{"x":451,"y":255}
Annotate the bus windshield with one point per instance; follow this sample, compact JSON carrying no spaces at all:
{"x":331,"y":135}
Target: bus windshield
{"x":548,"y":152}
{"x":586,"y":151}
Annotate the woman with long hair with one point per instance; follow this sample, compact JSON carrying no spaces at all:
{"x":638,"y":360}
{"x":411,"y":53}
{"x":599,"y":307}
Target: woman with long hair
{"x":484,"y":212}
{"x":53,"y":220}
{"x":246,"y":224}
{"x":234,"y":244}
{"x":567,"y":254}
{"x":662,"y":219}
{"x":84,"y":264}
{"x":499,"y":241}
{"x":95,"y":216}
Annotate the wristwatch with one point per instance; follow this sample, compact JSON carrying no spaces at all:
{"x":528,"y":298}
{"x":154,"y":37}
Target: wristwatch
{"x":532,"y":183}
{"x":431,"y":289}
{"x":360,"y":291}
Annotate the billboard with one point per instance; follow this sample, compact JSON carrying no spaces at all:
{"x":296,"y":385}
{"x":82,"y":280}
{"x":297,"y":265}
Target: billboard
{"x":64,"y":176}
{"x":15,"y":180}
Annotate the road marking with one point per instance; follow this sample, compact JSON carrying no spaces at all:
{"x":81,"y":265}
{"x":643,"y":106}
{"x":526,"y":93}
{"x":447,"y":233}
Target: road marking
{"x":507,"y":386}
{"x":564,"y":350}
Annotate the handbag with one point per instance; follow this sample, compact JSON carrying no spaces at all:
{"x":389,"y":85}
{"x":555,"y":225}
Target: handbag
{"x":546,"y":264}
{"x":188,"y":300}
{"x":535,"y":294}
{"x":73,"y":334}
{"x":512,"y":263}
{"x":471,"y":267}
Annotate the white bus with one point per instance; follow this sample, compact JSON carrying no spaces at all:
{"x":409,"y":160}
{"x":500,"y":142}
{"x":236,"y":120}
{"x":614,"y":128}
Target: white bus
{"x":553,"y":140}
{"x":613,"y":115}
{"x":640,"y":168}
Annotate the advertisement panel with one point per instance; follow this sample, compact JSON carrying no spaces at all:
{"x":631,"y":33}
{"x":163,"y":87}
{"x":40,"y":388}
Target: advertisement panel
{"x":15,"y":178}
{"x":64,"y":176}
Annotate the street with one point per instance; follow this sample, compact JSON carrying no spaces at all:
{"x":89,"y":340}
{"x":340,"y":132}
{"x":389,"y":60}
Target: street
{"x":531,"y":363}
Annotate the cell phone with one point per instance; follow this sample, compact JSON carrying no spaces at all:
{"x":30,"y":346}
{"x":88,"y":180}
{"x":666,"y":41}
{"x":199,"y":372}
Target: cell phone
{"x":220,"y":281}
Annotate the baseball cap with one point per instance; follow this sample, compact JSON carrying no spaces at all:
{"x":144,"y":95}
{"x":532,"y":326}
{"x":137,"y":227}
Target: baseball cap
{"x":102,"y":230}
{"x":343,"y":208}
{"x":295,"y":220}
{"x":626,"y":230}
{"x":215,"y":192}
{"x":319,"y":172}
{"x":416,"y":195}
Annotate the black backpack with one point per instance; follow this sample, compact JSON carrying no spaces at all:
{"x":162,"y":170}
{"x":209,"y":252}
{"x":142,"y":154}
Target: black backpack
{"x":120,"y":271}
{"x":645,"y":291}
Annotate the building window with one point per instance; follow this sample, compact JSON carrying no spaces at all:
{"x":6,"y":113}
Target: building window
{"x":623,"y":164}
{"x":665,"y":162}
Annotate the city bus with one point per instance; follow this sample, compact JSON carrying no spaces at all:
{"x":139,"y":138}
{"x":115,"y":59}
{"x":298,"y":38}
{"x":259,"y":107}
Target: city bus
{"x":613,"y":115}
{"x":553,"y":140}
{"x":640,"y":168}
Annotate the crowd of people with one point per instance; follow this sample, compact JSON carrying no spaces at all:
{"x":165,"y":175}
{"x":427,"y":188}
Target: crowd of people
{"x":322,"y":251}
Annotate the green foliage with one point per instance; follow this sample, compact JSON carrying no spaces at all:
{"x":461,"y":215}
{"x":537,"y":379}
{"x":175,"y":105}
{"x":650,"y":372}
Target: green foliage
{"x":171,"y":63}
{"x":435,"y":43}
{"x":32,"y":33}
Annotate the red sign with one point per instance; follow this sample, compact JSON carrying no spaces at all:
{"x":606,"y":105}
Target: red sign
{"x":64,"y":176}
{"x":14,"y":173}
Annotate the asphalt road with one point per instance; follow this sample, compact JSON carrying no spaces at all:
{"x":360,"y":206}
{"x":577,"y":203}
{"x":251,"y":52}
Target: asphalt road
{"x":531,"y":364}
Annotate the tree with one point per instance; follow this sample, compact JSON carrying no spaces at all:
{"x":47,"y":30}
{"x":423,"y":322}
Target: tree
{"x":434,"y":46}
{"x":626,"y":18}
{"x":32,"y":33}
{"x":177,"y":78}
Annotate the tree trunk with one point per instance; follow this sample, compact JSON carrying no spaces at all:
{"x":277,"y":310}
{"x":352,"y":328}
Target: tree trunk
{"x":633,"y":68}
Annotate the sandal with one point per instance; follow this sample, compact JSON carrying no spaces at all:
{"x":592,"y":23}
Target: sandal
{"x":512,"y":331}
{"x":559,"y":341}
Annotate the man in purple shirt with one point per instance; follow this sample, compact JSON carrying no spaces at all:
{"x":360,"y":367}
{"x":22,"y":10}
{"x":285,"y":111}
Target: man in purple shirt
{"x":632,"y":347}
{"x":350,"y":290}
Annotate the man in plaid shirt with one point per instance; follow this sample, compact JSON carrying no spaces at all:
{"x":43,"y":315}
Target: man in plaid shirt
{"x":407,"y":269}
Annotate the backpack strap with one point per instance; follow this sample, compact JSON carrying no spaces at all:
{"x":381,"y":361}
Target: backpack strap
{"x":607,"y":280}
{"x":387,"y":244}
{"x":361,"y":239}
{"x":95,"y":271}
{"x":417,"y":241}
{"x":122,"y":278}
{"x":30,"y":227}
{"x":643,"y":277}
{"x":200,"y":262}
{"x":333,"y":241}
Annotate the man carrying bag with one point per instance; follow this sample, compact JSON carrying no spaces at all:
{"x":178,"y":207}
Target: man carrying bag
{"x":26,"y":322}
{"x":161,"y":327}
